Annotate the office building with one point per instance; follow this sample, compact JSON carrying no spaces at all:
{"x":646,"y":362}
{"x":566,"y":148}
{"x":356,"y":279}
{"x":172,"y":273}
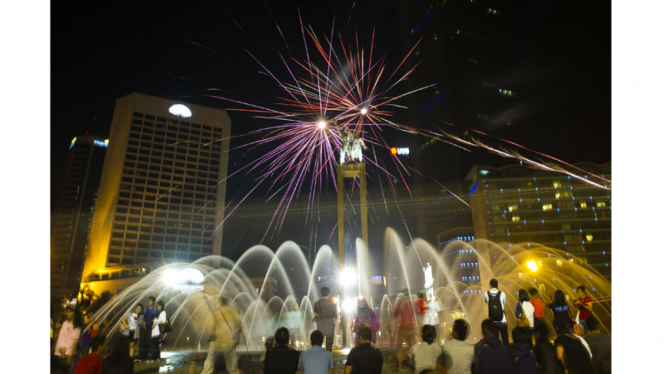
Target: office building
{"x":74,"y":210}
{"x":161,"y":197}
{"x":516,"y":204}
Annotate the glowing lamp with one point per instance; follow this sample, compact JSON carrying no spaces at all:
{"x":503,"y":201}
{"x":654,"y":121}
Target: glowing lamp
{"x":180,"y":110}
{"x":363,"y":111}
{"x":532,"y":265}
{"x":321,"y":125}
{"x":349,"y":305}
{"x":348,"y":277}
{"x":393,"y":151}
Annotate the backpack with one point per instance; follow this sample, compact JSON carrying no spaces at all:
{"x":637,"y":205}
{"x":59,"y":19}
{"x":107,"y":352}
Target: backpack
{"x":495,"y":308}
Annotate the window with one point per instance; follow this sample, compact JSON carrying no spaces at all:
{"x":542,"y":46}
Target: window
{"x":547,"y":207}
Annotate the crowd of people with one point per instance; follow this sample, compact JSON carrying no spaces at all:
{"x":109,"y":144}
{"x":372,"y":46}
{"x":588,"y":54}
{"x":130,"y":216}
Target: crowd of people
{"x":75,"y":352}
{"x":579,"y":346}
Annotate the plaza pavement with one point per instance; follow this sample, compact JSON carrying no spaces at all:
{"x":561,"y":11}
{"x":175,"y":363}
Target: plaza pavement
{"x":192,"y":363}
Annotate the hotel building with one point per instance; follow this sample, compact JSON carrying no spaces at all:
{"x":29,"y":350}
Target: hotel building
{"x":161,"y":196}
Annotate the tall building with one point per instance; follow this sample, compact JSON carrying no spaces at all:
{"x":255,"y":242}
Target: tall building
{"x":463,"y":51}
{"x":161,"y":196}
{"x":516,"y":204}
{"x":74,"y":210}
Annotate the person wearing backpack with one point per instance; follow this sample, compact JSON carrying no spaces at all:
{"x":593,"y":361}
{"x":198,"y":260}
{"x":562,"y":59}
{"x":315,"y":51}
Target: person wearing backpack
{"x":495,"y":301}
{"x":524,"y":311}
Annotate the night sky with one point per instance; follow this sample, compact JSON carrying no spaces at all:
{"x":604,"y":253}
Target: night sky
{"x":560,"y":56}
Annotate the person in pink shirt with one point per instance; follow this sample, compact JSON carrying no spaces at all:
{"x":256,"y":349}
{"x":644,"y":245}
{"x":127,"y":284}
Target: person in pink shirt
{"x":70,"y":332}
{"x":404,"y":312}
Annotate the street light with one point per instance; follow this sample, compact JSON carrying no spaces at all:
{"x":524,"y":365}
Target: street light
{"x":348,"y":277}
{"x":532,"y":265}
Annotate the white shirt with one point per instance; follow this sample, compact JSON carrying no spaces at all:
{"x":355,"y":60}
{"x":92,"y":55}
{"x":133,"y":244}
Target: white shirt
{"x":425,"y":355}
{"x":432,"y":314}
{"x":155,"y":323}
{"x":528,"y":309}
{"x":502,"y":298}
{"x":459,"y":356}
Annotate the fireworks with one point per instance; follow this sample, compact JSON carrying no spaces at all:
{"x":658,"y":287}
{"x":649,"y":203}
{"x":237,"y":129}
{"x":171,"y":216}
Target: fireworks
{"x":348,"y":95}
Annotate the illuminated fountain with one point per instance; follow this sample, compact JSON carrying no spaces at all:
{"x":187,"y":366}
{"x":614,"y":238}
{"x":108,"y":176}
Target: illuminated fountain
{"x":286,"y":291}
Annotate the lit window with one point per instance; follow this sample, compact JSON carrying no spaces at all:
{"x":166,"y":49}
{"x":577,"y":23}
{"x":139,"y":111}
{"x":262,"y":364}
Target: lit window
{"x":557,"y":195}
{"x":600,"y":204}
{"x":589,"y":237}
{"x":516,"y":218}
{"x":571,"y":260}
{"x":556,"y":184}
{"x":547,"y":206}
{"x":582,"y":204}
{"x":558,"y":263}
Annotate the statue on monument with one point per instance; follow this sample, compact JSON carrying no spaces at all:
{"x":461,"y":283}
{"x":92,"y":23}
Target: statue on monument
{"x":352,"y":145}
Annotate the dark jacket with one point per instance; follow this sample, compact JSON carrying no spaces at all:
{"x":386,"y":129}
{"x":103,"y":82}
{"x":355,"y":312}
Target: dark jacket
{"x":494,"y":357}
{"x":281,"y":360}
{"x":546,"y":357}
{"x":524,"y":360}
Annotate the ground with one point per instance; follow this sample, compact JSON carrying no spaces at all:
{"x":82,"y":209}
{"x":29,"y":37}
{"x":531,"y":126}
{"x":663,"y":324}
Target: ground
{"x":248,"y":363}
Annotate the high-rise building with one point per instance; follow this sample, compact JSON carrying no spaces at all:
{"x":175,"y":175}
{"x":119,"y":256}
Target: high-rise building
{"x":520,"y":205}
{"x":462,"y":48}
{"x":162,"y":191}
{"x":74,"y":210}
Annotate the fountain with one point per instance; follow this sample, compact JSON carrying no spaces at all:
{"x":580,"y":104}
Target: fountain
{"x":288,"y":288}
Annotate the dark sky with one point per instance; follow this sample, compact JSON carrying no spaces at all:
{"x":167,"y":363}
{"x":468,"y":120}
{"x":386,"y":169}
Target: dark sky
{"x":560,"y":56}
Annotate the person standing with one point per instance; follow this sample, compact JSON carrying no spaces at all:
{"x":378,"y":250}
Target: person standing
{"x":545,"y":351}
{"x":492,"y":356}
{"x":68,"y":337}
{"x":365,"y":358}
{"x":601,"y":347}
{"x":155,"y":341}
{"x":282,"y":359}
{"x":130,"y":326}
{"x":495,"y":301}
{"x":524,"y":359}
{"x":538,"y":308}
{"x":585,"y":306}
{"x":222,"y":328}
{"x":365,"y":316}
{"x":92,"y":363}
{"x":571,"y":353}
{"x":525,"y":306}
{"x":316,"y":360}
{"x":426,"y":354}
{"x":404,"y":312}
{"x":146,"y":328}
{"x":325,"y":315}
{"x":457,"y":353}
{"x":559,"y":306}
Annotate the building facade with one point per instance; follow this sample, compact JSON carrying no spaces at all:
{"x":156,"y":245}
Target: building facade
{"x":462,"y":52}
{"x":162,"y":191}
{"x":74,"y":210}
{"x":516,"y":204}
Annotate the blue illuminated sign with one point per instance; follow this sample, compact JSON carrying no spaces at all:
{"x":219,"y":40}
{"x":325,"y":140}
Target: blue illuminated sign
{"x":100,"y":143}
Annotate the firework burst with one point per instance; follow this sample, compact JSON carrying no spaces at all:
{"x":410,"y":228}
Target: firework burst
{"x":347,"y":92}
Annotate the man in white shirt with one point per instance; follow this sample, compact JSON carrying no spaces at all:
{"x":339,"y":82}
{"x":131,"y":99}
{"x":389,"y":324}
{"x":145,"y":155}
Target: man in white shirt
{"x":495,"y":301}
{"x":458,"y":355}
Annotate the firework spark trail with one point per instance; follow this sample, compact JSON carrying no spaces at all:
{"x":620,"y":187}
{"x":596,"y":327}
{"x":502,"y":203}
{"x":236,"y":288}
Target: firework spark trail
{"x":513,"y":154}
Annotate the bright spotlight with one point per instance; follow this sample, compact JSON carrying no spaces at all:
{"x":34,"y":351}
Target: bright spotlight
{"x":348,"y":277}
{"x":363,"y":111}
{"x":349,"y":305}
{"x":321,"y":125}
{"x":532,"y":265}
